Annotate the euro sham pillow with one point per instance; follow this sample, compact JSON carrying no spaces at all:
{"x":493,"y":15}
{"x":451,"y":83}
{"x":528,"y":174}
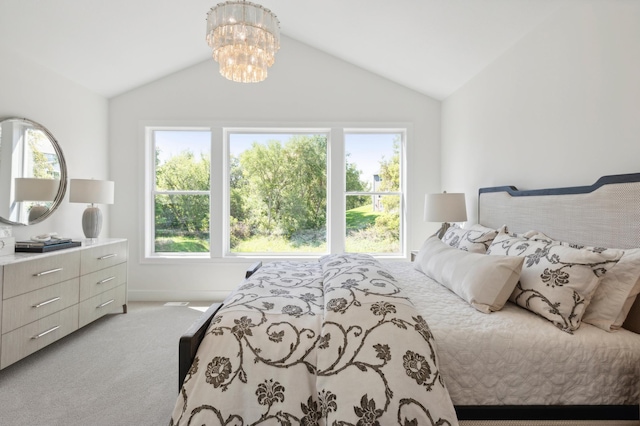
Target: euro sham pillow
{"x":475,"y":239}
{"x":618,"y":289}
{"x":485,"y":282}
{"x":557,"y":282}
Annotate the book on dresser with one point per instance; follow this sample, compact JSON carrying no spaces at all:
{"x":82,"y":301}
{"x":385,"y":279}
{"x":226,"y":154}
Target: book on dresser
{"x":45,"y":246}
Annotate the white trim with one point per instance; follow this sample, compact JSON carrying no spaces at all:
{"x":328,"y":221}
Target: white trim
{"x":173,"y":295}
{"x":335,"y":184}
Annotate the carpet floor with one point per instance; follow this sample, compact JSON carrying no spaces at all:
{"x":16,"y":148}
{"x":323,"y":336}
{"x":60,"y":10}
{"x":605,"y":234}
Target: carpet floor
{"x":118,"y":370}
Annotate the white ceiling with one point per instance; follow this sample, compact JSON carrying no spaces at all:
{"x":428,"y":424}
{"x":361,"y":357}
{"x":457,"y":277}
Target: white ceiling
{"x":111,"y":46}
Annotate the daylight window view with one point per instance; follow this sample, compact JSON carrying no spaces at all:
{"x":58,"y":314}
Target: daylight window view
{"x":181,"y":191}
{"x":277,"y":193}
{"x":372,"y":192}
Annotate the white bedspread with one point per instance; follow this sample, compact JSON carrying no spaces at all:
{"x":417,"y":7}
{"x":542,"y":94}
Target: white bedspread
{"x":333,"y":342}
{"x":513,"y":357}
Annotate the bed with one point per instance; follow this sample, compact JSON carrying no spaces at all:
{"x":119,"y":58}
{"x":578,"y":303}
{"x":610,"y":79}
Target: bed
{"x":511,"y":363}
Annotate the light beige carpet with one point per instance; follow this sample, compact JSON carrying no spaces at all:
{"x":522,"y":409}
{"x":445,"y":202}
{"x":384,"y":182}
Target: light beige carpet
{"x":119,"y":370}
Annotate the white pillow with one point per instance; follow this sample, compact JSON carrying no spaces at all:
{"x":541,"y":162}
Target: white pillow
{"x":557,"y":282}
{"x":485,"y":282}
{"x":618,"y":289}
{"x":475,"y":239}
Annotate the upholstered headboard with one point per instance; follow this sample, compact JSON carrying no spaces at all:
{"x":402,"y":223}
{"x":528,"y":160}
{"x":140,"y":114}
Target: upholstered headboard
{"x":605,"y":214}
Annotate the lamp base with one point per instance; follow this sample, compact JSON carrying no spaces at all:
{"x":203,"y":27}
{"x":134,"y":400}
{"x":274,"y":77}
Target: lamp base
{"x":92,"y":222}
{"x":36,"y":211}
{"x":443,"y":230}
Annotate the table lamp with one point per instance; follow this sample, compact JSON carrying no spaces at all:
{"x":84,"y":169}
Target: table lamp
{"x":91,"y":191}
{"x":445,"y":208}
{"x":38,"y":190}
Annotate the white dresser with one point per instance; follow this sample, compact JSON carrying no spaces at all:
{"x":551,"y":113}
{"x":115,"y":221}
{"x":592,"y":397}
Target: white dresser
{"x":49,"y":295}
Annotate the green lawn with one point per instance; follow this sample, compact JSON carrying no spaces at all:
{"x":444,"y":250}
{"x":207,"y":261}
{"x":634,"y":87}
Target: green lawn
{"x":361,"y":217}
{"x":181,"y":244}
{"x":361,"y":237}
{"x":270,"y":244}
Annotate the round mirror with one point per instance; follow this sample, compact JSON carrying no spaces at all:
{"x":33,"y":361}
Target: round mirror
{"x":33,"y":174}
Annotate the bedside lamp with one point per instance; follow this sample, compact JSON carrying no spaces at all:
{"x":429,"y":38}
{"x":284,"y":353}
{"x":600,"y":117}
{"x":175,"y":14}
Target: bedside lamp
{"x":91,"y":192}
{"x":35,"y":189}
{"x":445,"y":208}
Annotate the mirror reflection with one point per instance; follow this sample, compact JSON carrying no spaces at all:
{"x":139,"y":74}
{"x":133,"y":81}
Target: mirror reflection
{"x":32,"y":172}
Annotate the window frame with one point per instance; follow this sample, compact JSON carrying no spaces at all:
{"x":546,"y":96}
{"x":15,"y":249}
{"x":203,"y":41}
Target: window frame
{"x":401,"y":190}
{"x":219,"y":189}
{"x":151,"y":192}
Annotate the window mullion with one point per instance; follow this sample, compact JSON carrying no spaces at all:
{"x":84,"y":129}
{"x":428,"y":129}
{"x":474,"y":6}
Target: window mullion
{"x":336,"y":183}
{"x":219,"y":204}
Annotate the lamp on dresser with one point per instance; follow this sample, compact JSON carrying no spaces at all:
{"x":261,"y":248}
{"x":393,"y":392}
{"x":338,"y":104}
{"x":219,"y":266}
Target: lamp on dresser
{"x":91,"y":191}
{"x":445,"y":207}
{"x":36,"y":190}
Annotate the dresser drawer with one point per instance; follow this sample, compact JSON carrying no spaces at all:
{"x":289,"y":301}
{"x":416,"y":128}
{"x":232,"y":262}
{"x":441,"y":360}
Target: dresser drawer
{"x":29,"y":307}
{"x":100,"y":257}
{"x":23,"y":277}
{"x":25,"y":340}
{"x":102,"y":280}
{"x":102,"y":304}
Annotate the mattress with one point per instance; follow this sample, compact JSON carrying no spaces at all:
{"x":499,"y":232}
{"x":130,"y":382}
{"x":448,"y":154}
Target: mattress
{"x":514,"y":357}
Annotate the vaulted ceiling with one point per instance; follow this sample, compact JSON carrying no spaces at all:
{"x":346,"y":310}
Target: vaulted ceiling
{"x":111,"y":46}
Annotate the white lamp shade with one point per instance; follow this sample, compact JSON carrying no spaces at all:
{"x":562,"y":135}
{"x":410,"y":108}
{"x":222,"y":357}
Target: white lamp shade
{"x":445,"y":207}
{"x":35,"y":189}
{"x":91,"y":191}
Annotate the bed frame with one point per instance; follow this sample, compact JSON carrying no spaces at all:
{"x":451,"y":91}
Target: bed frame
{"x":605,"y":214}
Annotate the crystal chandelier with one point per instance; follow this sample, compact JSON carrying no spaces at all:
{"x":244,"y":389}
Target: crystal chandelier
{"x":244,"y":37}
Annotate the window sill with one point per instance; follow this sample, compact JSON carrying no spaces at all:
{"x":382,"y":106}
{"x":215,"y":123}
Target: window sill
{"x":187,"y":259}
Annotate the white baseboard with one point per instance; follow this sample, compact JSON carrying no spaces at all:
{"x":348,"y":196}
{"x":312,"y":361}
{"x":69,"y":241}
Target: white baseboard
{"x":176,"y":296}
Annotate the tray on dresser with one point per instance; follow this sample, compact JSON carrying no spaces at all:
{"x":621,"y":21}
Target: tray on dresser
{"x":44,"y":248}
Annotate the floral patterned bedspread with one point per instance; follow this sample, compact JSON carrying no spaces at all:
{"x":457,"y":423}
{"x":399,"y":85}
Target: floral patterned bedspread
{"x":332,"y":342}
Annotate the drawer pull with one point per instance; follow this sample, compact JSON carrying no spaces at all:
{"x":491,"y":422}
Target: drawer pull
{"x":107,"y":256}
{"x":44,"y":333}
{"x":50,"y":271}
{"x":46,"y":302}
{"x":108,"y":302}
{"x":106,"y":280}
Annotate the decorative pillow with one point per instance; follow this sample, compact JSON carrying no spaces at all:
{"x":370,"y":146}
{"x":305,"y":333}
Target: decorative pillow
{"x":485,"y":282}
{"x":475,"y":239}
{"x":618,"y":289}
{"x":557,"y":282}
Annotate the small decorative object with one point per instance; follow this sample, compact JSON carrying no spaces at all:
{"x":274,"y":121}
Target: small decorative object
{"x":93,"y":192}
{"x":7,"y":245}
{"x":38,"y":190}
{"x":244,"y":37}
{"x":5,"y":231}
{"x":445,"y":208}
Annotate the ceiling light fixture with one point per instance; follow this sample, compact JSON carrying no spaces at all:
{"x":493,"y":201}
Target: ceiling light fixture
{"x":244,"y":37}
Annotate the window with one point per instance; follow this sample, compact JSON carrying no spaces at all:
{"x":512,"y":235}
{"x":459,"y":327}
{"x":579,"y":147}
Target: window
{"x":277,"y":192}
{"x":372,"y":192}
{"x":294,"y":191}
{"x":181,"y":191}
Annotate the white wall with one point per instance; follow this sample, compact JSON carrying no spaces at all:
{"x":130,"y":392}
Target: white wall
{"x":561,"y":108}
{"x":305,"y":85}
{"x":75,"y":116}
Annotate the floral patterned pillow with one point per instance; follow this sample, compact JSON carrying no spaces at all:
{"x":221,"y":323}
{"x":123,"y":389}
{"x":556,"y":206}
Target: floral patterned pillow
{"x":618,"y":290}
{"x":557,"y":282}
{"x":475,"y":239}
